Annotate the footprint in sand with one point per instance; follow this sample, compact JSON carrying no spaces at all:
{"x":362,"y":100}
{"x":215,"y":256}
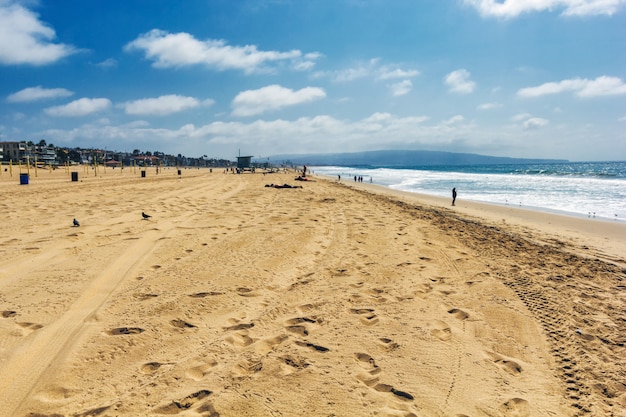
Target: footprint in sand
{"x":150,"y":367}
{"x":29,"y":327}
{"x":176,"y":407}
{"x":8,"y":313}
{"x":181,"y":324}
{"x":515,"y":407}
{"x":240,"y":326}
{"x":267,"y":345}
{"x":388,"y":344}
{"x":124,"y":330}
{"x":367,"y":315}
{"x":371,"y":371}
{"x":296,"y":325}
{"x":312,"y":346}
{"x":299,"y":283}
{"x":507,"y":365}
{"x":459,"y":314}
{"x":246,"y":292}
{"x":199,"y":372}
{"x":388,"y":388}
{"x":378,"y":294}
{"x":423,"y":290}
{"x":144,"y":297}
{"x":299,"y":330}
{"x":249,"y":366}
{"x":440,"y":329}
{"x":205,"y":294}
{"x":370,"y":377}
{"x":299,"y":320}
{"x":239,"y":339}
{"x":292,"y":364}
{"x":367,"y":363}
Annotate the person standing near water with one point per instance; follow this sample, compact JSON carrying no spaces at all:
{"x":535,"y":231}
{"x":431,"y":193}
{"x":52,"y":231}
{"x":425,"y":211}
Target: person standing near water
{"x":453,"y":195}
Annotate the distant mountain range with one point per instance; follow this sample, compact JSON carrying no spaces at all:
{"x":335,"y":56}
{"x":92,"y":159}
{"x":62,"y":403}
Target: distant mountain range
{"x":400,"y":158}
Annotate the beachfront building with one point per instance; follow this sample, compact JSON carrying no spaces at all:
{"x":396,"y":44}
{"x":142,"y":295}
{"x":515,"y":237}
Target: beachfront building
{"x":45,"y":155}
{"x":146,"y":160}
{"x":15,"y":151}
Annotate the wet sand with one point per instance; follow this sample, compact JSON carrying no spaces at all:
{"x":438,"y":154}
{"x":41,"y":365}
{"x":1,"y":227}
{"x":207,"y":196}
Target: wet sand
{"x":236,"y":299}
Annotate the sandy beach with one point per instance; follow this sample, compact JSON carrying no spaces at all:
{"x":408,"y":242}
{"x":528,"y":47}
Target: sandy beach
{"x":333,"y":299}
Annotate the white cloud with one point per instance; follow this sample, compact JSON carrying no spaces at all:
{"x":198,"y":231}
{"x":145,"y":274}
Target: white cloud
{"x":162,"y":105}
{"x":303,"y":65}
{"x":514,"y":8}
{"x":528,"y":121}
{"x":459,"y":81}
{"x":107,"y":63}
{"x":272,"y":97}
{"x":582,"y":87}
{"x":378,"y":117}
{"x":368,"y":69}
{"x":387,"y":73}
{"x":348,"y":74}
{"x":535,"y":122}
{"x":401,"y":88}
{"x":489,"y":106}
{"x":38,"y":93}
{"x":182,"y":49}
{"x":307,"y":62}
{"x":80,"y":107}
{"x":521,"y":116}
{"x":24,"y":39}
{"x":454,"y":120}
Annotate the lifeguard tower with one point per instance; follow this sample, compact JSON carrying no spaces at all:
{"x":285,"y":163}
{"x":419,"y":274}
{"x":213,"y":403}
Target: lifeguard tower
{"x":243,"y":163}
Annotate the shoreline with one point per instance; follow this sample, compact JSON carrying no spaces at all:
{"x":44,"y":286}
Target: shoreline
{"x":608,"y":236}
{"x":544,"y":193}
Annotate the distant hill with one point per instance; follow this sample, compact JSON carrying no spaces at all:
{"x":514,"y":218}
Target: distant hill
{"x":399,"y":158}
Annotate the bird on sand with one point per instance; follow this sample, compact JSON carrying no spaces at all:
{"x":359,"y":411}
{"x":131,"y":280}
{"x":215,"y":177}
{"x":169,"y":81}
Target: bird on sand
{"x":145,"y":216}
{"x":76,"y":224}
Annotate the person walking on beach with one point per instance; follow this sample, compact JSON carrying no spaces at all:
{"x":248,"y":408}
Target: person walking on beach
{"x":453,"y":195}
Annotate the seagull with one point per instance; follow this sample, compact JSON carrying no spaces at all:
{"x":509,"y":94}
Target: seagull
{"x":76,"y":224}
{"x":145,"y":216}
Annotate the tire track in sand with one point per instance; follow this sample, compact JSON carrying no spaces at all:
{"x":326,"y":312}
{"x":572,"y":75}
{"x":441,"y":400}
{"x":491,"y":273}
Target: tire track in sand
{"x":38,"y":356}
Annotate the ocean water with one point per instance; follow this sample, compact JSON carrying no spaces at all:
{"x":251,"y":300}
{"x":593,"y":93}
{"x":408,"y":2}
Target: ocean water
{"x":590,"y":189}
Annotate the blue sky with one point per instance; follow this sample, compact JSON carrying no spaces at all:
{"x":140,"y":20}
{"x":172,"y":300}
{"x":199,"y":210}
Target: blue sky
{"x":521,"y":78}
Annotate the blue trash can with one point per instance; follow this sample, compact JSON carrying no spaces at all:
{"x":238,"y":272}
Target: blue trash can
{"x":23,"y":179}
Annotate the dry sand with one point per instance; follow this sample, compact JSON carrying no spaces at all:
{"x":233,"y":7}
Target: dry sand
{"x":335,"y":299}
